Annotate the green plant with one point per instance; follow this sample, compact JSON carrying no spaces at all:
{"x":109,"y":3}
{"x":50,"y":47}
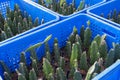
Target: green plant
{"x":60,"y":74}
{"x":62,"y":63}
{"x":22,"y":58}
{"x":21,"y":77}
{"x":77,"y":75}
{"x":7,"y":76}
{"x":56,"y":52}
{"x":68,"y":48}
{"x":32,"y":75}
{"x":47,"y":68}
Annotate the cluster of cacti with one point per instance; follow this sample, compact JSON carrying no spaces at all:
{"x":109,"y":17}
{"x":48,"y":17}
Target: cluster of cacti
{"x":71,"y":62}
{"x":62,"y":7}
{"x":113,"y":16}
{"x":16,"y":22}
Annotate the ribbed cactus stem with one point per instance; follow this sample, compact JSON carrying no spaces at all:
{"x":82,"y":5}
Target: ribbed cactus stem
{"x":62,"y":63}
{"x":98,"y":39}
{"x":23,"y":58}
{"x":77,"y":75}
{"x":36,"y":22}
{"x":82,"y":33}
{"x":21,"y":77}
{"x":19,"y":28}
{"x":3,"y":35}
{"x":60,"y":74}
{"x":110,"y":58}
{"x":56,"y":52}
{"x":79,"y":50}
{"x":32,"y":75}
{"x":68,"y":48}
{"x":47,"y":68}
{"x":83,"y":62}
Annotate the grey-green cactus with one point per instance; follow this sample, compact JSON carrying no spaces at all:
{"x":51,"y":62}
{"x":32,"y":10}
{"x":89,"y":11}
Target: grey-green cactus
{"x":83,"y":62}
{"x":48,"y":56}
{"x":47,"y":68}
{"x":21,"y":77}
{"x":55,"y":40}
{"x":98,"y":39}
{"x":32,"y":75}
{"x":36,"y":22}
{"x":23,"y":70}
{"x":34,"y":65}
{"x":74,"y":54}
{"x":103,"y":49}
{"x":60,"y":74}
{"x":3,"y":35}
{"x":87,"y":37}
{"x":81,"y":6}
{"x":94,"y":54}
{"x":62,"y":63}
{"x":7,"y":76}
{"x":19,"y":28}
{"x":79,"y":50}
{"x":23,"y":58}
{"x":117,"y":51}
{"x":56,"y":52}
{"x":110,"y":58}
{"x":47,"y":47}
{"x":114,"y":15}
{"x":77,"y":75}
{"x":68,"y":48}
{"x":82,"y":33}
{"x":78,"y":39}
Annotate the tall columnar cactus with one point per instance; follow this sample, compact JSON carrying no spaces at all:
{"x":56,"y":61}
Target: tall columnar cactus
{"x":20,"y":20}
{"x":55,"y":40}
{"x":77,"y":75}
{"x":68,"y":48}
{"x":47,"y":68}
{"x":74,"y":54}
{"x":103,"y":49}
{"x":34,"y":65}
{"x":29,"y":18}
{"x":14,"y":26}
{"x":16,"y":7}
{"x":83,"y":62}
{"x":32,"y":75}
{"x":91,"y":70}
{"x":87,"y":37}
{"x":110,"y":58}
{"x":62,"y":63}
{"x":21,"y":77}
{"x":47,"y":47}
{"x":78,"y":39}
{"x":48,"y":56}
{"x":23,"y":70}
{"x":23,"y":58}
{"x":75,"y":31}
{"x":98,"y":39}
{"x":25,"y":24}
{"x":4,"y":66}
{"x":60,"y":74}
{"x":56,"y":52}
{"x":7,"y":76}
{"x":82,"y":33}
{"x":19,"y":28}
{"x":36,"y":22}
{"x":79,"y":50}
{"x":114,"y":15}
{"x":94,"y":54}
{"x":71,"y":38}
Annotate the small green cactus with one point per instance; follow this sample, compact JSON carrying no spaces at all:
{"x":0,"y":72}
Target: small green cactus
{"x":62,"y":63}
{"x":78,"y":39}
{"x":16,"y":7}
{"x":55,"y":40}
{"x":81,"y":6}
{"x":79,"y":50}
{"x":94,"y":54}
{"x":74,"y":54}
{"x":21,"y":77}
{"x":51,"y":77}
{"x":48,"y":56}
{"x":19,"y":28}
{"x":77,"y":75}
{"x":60,"y":74}
{"x":32,"y":75}
{"x":68,"y":48}
{"x":25,"y":24}
{"x":47,"y":47}
{"x":114,"y":15}
{"x":7,"y":76}
{"x":56,"y":52}
{"x":29,"y":18}
{"x":47,"y":68}
{"x":98,"y":39}
{"x":34,"y":65}
{"x":23,"y":58}
{"x":3,"y":35}
{"x":110,"y":58}
{"x":62,"y":1}
{"x":117,"y":51}
{"x":82,"y":31}
{"x":103,"y":49}
{"x":23,"y":70}
{"x":87,"y":37}
{"x":83,"y":62}
{"x":71,"y":38}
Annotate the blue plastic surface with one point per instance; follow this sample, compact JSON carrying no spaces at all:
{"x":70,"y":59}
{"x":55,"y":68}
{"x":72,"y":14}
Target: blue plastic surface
{"x":111,"y":73}
{"x":92,"y":3}
{"x":10,"y":51}
{"x":105,"y":9}
{"x":31,"y":9}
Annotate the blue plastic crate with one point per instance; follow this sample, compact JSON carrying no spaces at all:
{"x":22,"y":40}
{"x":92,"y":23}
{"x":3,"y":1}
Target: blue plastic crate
{"x":31,"y":9}
{"x":10,"y":51}
{"x":105,"y":9}
{"x":111,"y":73}
{"x":92,"y":3}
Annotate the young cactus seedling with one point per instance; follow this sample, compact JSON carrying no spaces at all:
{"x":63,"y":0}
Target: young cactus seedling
{"x":68,"y":48}
{"x":21,"y":77}
{"x":77,"y":75}
{"x":62,"y":63}
{"x":94,"y":54}
{"x":48,"y":56}
{"x":36,"y":22}
{"x":56,"y":52}
{"x":81,"y":6}
{"x":97,"y":39}
{"x":117,"y":51}
{"x":82,"y":33}
{"x":32,"y":75}
{"x":47,"y":68}
{"x":83,"y":62}
{"x":22,"y":58}
{"x":3,"y":35}
{"x":110,"y":58}
{"x":60,"y":74}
